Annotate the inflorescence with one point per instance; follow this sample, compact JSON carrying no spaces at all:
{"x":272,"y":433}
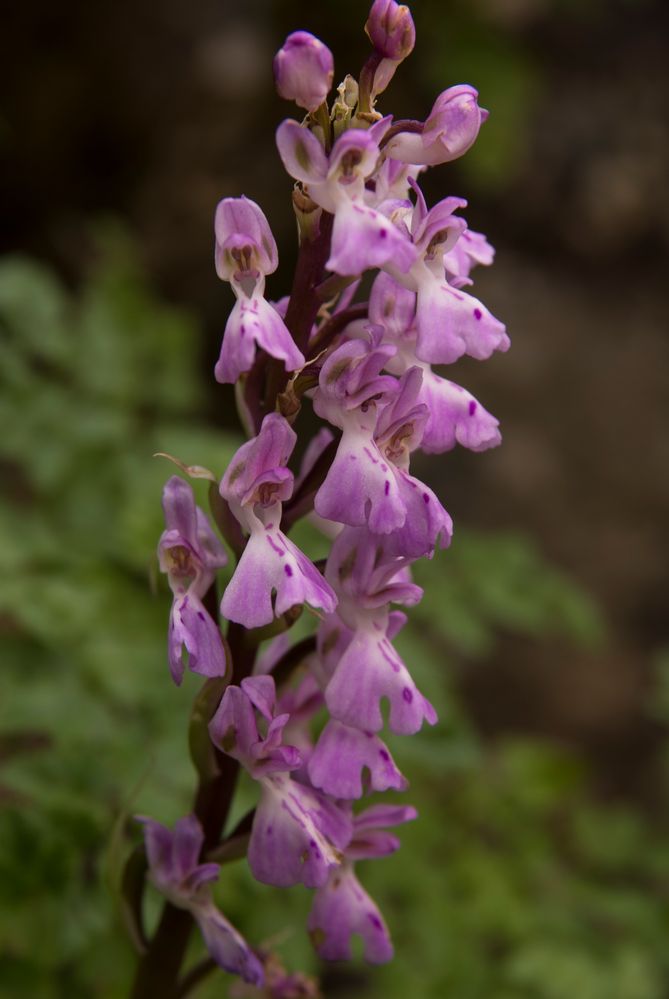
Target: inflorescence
{"x":363,"y":368}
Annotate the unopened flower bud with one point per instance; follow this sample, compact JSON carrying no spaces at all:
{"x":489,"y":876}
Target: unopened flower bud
{"x":304,"y":70}
{"x":391,"y":30}
{"x":450,"y":129}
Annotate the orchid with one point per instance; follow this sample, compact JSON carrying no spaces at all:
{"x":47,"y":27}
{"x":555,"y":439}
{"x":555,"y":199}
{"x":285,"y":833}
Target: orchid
{"x":305,"y":719}
{"x":342,"y":907}
{"x":255,"y":483}
{"x":176,"y":872}
{"x":297,"y":832}
{"x":245,"y":254}
{"x":190,"y":553}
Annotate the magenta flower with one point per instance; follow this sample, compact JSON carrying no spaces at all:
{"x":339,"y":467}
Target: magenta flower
{"x":190,"y":553}
{"x":297,"y":833}
{"x":245,"y":254}
{"x":361,"y":237}
{"x":272,"y":575}
{"x":449,"y":322}
{"x":358,"y":488}
{"x":368,"y":576}
{"x":342,"y":908}
{"x":382,"y":422}
{"x":454,"y":415}
{"x":303,"y":70}
{"x":176,"y":872}
{"x":449,"y":131}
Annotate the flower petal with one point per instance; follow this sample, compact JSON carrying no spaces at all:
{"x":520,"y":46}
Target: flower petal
{"x":341,"y":754}
{"x":301,"y":153}
{"x":342,"y":908}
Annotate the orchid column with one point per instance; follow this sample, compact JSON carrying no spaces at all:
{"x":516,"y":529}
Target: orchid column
{"x":304,"y":718}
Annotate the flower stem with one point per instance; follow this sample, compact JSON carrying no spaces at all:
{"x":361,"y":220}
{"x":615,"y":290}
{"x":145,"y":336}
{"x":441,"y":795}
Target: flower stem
{"x":304,"y":298}
{"x":157,"y":975}
{"x":304,"y":302}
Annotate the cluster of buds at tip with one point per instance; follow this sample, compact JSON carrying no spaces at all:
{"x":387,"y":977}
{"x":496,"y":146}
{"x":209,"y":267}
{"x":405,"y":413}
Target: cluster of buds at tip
{"x":366,"y":370}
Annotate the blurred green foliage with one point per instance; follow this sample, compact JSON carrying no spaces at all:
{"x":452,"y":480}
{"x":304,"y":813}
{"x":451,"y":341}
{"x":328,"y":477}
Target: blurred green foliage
{"x":465,"y":43}
{"x":514,"y":883}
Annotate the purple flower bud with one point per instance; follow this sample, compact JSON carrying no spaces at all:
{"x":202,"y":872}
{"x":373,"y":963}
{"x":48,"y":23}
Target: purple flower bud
{"x":450,"y":129}
{"x":304,"y":70}
{"x":391,"y":30}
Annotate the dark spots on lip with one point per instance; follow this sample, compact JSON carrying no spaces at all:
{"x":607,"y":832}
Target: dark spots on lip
{"x":269,"y":830}
{"x":386,"y":488}
{"x":201,"y":616}
{"x":426,"y":498}
{"x":472,"y":408}
{"x":288,"y":570}
{"x":374,"y":920}
{"x":384,"y":755}
{"x":478,"y":314}
{"x":383,"y":233}
{"x":407,"y":695}
{"x":280,"y":552}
